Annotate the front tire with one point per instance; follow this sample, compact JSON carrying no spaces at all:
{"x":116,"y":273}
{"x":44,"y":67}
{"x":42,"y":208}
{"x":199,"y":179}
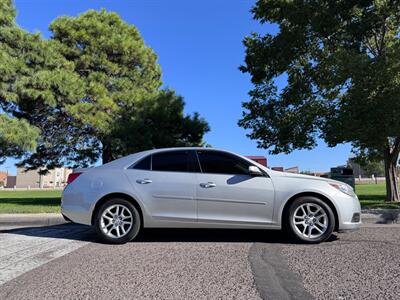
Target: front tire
{"x":117,"y":221}
{"x":310,"y":220}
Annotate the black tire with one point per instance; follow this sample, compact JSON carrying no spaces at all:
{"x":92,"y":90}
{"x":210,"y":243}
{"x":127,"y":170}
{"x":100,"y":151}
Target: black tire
{"x":131,"y":232}
{"x":297,"y":232}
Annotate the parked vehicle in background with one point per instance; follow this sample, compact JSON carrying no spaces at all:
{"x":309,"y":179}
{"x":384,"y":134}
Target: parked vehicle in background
{"x":343,"y":174}
{"x":205,"y":188}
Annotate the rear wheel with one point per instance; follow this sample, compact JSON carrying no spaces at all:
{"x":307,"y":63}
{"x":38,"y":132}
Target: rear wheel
{"x":310,"y":220}
{"x":117,"y":221}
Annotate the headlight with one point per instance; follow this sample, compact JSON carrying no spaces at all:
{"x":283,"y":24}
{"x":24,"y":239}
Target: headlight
{"x":344,"y":188}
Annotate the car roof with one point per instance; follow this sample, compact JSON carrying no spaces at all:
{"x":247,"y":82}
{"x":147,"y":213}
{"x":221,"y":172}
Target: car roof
{"x":126,"y":161}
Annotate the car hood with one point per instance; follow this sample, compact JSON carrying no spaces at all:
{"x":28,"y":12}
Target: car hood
{"x":307,"y":177}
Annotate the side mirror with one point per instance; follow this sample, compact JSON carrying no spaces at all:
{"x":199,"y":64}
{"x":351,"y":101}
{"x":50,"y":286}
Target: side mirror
{"x":254,"y":171}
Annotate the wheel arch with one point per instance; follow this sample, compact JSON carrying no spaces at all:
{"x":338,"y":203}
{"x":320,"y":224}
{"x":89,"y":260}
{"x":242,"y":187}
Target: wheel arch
{"x":124,"y":196}
{"x":313,"y":194}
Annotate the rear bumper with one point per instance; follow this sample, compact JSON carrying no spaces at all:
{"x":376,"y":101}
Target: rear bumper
{"x":74,"y":207}
{"x":66,"y":218}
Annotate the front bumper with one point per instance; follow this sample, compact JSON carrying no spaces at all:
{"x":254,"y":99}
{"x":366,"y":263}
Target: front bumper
{"x":349,"y":211}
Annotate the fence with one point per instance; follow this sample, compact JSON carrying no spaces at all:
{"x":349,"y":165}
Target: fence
{"x":369,"y":180}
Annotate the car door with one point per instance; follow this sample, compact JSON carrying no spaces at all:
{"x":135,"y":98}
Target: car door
{"x":226,"y":192}
{"x":166,"y":183}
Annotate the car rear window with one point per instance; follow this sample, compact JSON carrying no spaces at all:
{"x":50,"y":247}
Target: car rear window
{"x":173,"y":161}
{"x":143,"y":164}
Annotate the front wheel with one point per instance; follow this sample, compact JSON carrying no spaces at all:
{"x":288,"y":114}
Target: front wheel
{"x":310,"y":220}
{"x":117,"y":221}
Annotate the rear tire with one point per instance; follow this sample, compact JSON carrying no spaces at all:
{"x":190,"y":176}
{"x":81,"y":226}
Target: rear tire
{"x":117,"y":221}
{"x":310,"y":220}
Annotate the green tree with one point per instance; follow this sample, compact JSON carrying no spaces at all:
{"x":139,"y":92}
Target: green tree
{"x":36,"y":84}
{"x":16,"y":137}
{"x":84,"y":88}
{"x":118,"y":70}
{"x":123,"y":108}
{"x":369,"y":167}
{"x":158,"y":122}
{"x":7,"y":13}
{"x":341,"y":62}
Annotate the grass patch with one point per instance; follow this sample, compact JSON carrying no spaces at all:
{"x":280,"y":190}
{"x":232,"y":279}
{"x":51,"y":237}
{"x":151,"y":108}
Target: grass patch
{"x":373,"y":196}
{"x":34,"y":201}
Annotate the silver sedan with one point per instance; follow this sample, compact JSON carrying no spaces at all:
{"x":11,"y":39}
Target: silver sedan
{"x":205,"y":188}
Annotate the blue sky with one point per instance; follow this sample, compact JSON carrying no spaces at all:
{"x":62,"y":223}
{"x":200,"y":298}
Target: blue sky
{"x":199,"y":48}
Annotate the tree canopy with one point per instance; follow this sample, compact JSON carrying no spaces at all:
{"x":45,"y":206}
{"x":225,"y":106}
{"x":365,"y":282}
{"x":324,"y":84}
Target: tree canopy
{"x":92,"y":90}
{"x":118,"y":70}
{"x":158,"y":122}
{"x":340,"y":61}
{"x":16,"y":136}
{"x":122,"y":81}
{"x":36,"y":84}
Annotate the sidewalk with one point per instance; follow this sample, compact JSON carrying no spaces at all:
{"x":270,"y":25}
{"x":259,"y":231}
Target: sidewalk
{"x":8,"y":221}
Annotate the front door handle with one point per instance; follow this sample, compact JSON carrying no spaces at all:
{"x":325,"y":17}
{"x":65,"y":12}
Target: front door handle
{"x":208,"y":185}
{"x":144,"y":181}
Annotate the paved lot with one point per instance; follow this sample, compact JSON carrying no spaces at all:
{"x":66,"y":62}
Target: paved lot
{"x":26,"y":249}
{"x":360,"y":265}
{"x":62,"y":262}
{"x":182,"y":264}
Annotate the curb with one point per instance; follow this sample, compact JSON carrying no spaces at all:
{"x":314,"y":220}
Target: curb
{"x":11,"y":220}
{"x":380,"y":216}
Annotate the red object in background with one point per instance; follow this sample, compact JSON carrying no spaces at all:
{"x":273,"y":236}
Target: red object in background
{"x":72,"y":177}
{"x":280,"y":169}
{"x":262,"y":160}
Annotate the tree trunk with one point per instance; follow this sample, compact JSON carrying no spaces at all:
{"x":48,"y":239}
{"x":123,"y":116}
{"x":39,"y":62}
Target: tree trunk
{"x":106,"y":153}
{"x":392,"y":187}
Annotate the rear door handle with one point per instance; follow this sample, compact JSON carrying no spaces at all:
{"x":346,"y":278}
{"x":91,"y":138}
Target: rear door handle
{"x":208,"y":185}
{"x":144,"y":181}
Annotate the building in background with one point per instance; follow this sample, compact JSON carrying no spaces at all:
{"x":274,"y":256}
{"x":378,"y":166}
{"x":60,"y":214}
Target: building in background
{"x":32,"y":179}
{"x":280,"y":169}
{"x":262,"y":160}
{"x":3,"y":178}
{"x":11,"y":181}
{"x":294,"y":170}
{"x":358,"y":171}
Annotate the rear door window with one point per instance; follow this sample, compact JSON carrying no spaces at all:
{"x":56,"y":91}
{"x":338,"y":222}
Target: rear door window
{"x":144,"y":164}
{"x":174,"y":161}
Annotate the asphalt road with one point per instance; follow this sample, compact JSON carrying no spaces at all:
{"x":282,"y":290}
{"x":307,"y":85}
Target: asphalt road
{"x":63,"y":262}
{"x":360,"y":265}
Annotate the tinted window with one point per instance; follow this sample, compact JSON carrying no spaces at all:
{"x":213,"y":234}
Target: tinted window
{"x":173,"y":161}
{"x":144,"y":164}
{"x":222,"y":163}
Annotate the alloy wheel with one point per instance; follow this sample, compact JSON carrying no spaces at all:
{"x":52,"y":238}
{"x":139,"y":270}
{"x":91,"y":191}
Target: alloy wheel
{"x":310,"y":220}
{"x":116,"y":221}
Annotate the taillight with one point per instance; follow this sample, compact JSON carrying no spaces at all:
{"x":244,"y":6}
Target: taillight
{"x":72,"y":177}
